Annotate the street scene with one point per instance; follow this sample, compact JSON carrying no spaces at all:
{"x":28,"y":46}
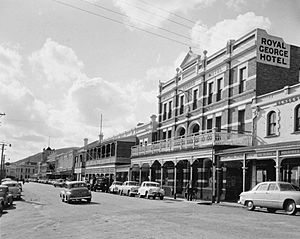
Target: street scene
{"x":41,"y":214}
{"x":149,"y":119}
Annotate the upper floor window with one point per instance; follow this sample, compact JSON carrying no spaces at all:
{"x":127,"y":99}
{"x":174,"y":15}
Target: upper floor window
{"x":165,"y":111}
{"x":241,"y":121}
{"x":297,"y":118}
{"x":210,"y":92}
{"x":209,"y":124}
{"x":219,"y":89}
{"x":271,"y":123}
{"x":181,"y":104}
{"x":218,"y":123}
{"x":242,"y":85}
{"x":170,"y":110}
{"x":195,"y":97}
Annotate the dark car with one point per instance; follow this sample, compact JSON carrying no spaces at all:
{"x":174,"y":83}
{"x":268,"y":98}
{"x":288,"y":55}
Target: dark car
{"x":101,"y":184}
{"x":6,"y":198}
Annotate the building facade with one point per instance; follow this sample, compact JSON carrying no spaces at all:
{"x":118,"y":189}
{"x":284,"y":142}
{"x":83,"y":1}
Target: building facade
{"x":207,"y":108}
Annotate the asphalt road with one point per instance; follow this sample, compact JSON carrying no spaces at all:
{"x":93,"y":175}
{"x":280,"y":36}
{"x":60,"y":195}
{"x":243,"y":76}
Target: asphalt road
{"x":41,"y":214}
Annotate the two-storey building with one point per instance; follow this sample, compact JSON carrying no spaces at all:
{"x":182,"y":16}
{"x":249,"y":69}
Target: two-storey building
{"x":207,"y":107}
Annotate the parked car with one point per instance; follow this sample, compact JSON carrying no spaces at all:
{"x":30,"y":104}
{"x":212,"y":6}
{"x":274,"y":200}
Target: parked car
{"x":129,"y":188}
{"x":5,"y":179}
{"x":151,"y":189}
{"x":101,"y":184}
{"x":6,"y":197}
{"x":59,"y":183}
{"x":13,"y":188}
{"x":114,"y":187}
{"x":273,"y":196}
{"x":75,"y":191}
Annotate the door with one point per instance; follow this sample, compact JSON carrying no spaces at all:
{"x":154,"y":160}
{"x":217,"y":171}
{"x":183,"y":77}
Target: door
{"x":259,"y":198}
{"x":272,"y":196}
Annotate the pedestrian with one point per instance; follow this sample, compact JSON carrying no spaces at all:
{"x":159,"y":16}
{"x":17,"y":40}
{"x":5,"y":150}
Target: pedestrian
{"x":23,"y":181}
{"x":190,"y":191}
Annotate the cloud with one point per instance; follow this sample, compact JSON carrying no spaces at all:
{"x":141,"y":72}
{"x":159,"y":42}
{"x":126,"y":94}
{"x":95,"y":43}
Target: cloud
{"x":215,"y":37}
{"x":156,"y":13}
{"x":235,"y":4}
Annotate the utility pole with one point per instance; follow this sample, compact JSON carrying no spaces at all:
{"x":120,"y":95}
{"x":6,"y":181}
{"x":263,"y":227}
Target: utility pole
{"x":2,"y":166}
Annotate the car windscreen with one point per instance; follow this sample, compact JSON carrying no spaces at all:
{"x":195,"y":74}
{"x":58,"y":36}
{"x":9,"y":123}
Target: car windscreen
{"x":118,"y":183}
{"x":286,"y":187}
{"x":77,"y":185}
{"x":11,"y":185}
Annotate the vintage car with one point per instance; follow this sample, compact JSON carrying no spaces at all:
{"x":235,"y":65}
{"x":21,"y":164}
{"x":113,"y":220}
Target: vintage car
{"x":151,"y":189}
{"x":273,"y":196}
{"x":14,"y":188}
{"x":129,"y":188}
{"x":101,"y":184}
{"x":114,"y":187}
{"x":5,"y":196}
{"x":59,"y":182}
{"x":75,"y":191}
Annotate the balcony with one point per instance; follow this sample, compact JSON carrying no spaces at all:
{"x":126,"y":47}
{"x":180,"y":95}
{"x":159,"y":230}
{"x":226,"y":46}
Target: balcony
{"x":193,"y":141}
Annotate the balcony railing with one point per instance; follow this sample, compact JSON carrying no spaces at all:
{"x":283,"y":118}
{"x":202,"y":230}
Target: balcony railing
{"x":193,"y":141}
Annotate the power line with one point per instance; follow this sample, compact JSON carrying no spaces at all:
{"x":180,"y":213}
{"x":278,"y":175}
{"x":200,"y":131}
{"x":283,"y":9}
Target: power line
{"x":164,"y":10}
{"x":144,"y":10}
{"x":120,"y":22}
{"x":146,"y":23}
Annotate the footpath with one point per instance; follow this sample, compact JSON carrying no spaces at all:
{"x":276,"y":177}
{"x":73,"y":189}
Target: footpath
{"x":203,"y":202}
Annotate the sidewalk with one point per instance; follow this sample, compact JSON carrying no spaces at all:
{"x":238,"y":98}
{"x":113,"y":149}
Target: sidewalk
{"x":203,"y":202}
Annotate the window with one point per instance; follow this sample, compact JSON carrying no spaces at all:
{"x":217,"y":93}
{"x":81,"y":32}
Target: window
{"x":262,"y":187}
{"x":273,"y":187}
{"x":164,"y":135}
{"x":146,"y":142}
{"x":297,"y":118}
{"x":195,"y":96}
{"x":181,"y":104}
{"x":210,"y":92}
{"x":271,"y":123}
{"x":242,"y":86}
{"x":170,"y":110}
{"x":169,"y":134}
{"x":165,"y":111}
{"x":218,"y":123}
{"x":219,"y":89}
{"x":209,"y":124}
{"x":241,"y":121}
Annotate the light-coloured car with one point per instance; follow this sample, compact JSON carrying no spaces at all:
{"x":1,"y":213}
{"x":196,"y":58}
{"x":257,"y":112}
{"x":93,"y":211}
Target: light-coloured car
{"x":151,"y":189}
{"x":75,"y":191}
{"x":13,"y":188}
{"x":273,"y":196}
{"x":129,"y":188}
{"x":6,"y":198}
{"x":114,"y":187}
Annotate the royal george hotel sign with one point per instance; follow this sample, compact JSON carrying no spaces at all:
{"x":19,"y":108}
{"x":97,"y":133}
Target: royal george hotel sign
{"x":272,"y":50}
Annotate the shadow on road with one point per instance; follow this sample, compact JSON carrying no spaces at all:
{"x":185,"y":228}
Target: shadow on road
{"x":83,"y":203}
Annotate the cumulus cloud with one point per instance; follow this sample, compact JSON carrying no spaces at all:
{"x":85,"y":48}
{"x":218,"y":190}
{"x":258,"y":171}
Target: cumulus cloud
{"x":156,"y":13}
{"x":215,"y":37}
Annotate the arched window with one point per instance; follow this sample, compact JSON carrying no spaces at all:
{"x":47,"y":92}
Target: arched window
{"x":297,"y":118}
{"x":272,"y":123}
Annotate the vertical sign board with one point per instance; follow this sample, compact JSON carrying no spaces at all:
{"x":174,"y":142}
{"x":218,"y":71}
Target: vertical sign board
{"x":272,"y":50}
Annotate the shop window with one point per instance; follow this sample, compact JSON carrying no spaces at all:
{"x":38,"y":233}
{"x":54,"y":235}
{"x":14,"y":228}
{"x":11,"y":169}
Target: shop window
{"x":297,"y":118}
{"x":271,"y":123}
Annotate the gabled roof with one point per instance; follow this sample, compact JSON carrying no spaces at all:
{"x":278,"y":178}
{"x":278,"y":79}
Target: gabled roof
{"x":190,"y":56}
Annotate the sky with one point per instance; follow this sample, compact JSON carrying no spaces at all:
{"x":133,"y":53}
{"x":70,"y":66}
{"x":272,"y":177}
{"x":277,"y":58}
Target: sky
{"x":63,"y":63}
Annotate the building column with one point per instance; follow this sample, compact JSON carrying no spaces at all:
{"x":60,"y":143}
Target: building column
{"x":161,"y":175}
{"x":140,"y":176}
{"x":150,"y":173}
{"x":254,"y":174}
{"x":244,"y":173}
{"x":277,"y":166}
{"x":175,"y":180}
{"x":213,"y":198}
{"x":129,"y":174}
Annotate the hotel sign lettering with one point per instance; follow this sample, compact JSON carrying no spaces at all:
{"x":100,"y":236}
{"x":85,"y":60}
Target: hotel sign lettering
{"x":272,"y":50}
{"x":289,"y":152}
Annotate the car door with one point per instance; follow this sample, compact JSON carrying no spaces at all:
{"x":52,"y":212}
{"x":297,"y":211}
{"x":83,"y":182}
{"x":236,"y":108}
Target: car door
{"x":259,"y":198}
{"x":272,"y":196}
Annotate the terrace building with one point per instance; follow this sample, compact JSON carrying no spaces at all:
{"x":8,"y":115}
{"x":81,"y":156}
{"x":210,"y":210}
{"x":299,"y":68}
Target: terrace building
{"x":208,"y":108}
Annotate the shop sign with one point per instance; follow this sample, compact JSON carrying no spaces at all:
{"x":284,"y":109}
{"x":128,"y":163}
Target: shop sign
{"x":272,"y":50}
{"x":266,"y":154}
{"x":289,"y":152}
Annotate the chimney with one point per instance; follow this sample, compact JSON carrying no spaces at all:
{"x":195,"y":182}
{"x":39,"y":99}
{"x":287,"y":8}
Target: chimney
{"x":85,"y":141}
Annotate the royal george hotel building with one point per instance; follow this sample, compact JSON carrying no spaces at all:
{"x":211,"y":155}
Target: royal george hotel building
{"x":207,"y":110}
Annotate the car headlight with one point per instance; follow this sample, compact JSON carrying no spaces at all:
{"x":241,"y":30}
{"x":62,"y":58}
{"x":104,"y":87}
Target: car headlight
{"x":68,"y":193}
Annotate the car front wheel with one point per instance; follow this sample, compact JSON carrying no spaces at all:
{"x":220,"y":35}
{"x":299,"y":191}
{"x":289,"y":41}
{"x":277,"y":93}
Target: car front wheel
{"x":250,"y":206}
{"x":290,"y":207}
